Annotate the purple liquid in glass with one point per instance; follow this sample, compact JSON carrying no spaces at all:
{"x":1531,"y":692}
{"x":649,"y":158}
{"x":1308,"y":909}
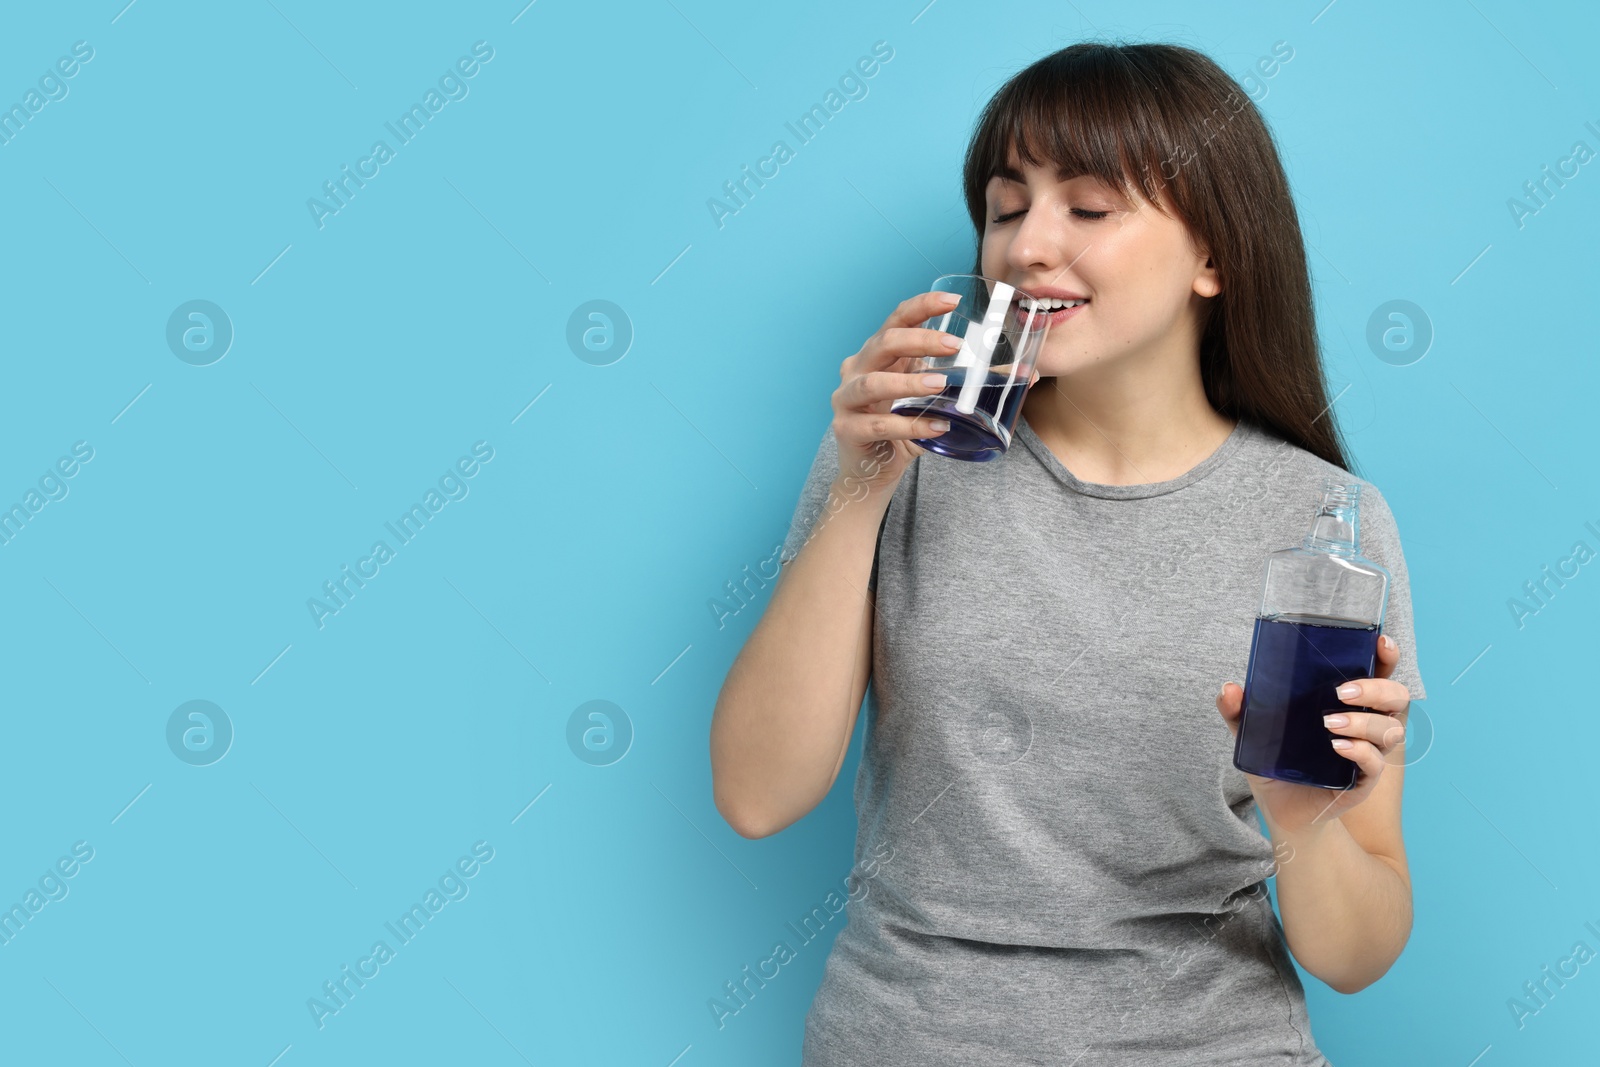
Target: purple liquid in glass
{"x":969,"y":436}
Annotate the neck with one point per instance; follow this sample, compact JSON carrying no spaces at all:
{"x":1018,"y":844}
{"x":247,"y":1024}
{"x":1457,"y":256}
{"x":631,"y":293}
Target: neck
{"x":1136,"y":420}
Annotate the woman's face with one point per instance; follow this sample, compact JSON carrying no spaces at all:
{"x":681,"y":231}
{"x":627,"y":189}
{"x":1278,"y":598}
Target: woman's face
{"x":1142,"y":275}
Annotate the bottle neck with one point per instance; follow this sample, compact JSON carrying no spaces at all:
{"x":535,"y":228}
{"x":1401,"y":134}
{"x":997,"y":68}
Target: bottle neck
{"x":1335,"y":529}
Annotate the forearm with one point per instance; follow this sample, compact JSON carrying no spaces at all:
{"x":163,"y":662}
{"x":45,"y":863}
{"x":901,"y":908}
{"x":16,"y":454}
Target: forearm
{"x":787,"y":708}
{"x":1346,"y":913}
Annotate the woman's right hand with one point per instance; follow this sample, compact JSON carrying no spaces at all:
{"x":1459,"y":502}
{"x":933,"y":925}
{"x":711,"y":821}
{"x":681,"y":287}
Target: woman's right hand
{"x":875,"y":445}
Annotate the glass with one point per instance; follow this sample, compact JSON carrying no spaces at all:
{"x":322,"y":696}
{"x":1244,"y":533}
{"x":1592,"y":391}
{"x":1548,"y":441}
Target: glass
{"x":1321,"y":613}
{"x":1002,"y":330}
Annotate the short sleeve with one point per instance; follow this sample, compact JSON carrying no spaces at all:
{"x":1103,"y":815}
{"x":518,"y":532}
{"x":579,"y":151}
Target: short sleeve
{"x":814,"y":498}
{"x":1380,"y":542}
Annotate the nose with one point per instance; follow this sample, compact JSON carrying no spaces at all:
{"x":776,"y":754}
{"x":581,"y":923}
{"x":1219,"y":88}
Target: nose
{"x":1040,"y":243}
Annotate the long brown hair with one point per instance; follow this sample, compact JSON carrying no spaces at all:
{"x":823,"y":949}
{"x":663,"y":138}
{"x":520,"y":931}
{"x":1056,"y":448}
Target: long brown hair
{"x":1172,"y":120}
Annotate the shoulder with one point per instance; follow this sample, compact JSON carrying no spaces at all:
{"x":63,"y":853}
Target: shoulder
{"x":1299,"y":467}
{"x":1299,"y":483}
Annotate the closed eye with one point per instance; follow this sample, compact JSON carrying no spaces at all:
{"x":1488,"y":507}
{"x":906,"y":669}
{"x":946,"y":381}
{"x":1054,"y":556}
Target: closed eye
{"x":1083,"y":213}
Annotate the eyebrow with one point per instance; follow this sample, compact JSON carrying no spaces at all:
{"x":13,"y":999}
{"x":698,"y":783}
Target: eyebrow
{"x":1005,"y":170}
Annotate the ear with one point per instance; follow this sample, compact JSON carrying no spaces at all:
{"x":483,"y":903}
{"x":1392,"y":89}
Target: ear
{"x":1206,"y":282}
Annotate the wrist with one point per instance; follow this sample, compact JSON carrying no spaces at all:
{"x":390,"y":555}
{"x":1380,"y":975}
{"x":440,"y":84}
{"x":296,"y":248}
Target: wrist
{"x":856,"y":487}
{"x":1307,"y":836}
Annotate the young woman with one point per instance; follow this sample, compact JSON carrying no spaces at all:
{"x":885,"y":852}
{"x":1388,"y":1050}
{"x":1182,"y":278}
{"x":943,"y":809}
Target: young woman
{"x":1056,"y":859}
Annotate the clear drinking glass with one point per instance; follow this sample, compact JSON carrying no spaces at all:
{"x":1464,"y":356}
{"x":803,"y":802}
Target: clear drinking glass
{"x":1002,"y":330}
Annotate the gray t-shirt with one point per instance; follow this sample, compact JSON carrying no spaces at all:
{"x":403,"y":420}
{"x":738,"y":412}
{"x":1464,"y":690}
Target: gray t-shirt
{"x":1055,"y":856}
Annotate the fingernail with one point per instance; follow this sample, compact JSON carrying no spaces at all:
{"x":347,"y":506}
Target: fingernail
{"x":950,"y":340}
{"x":940,"y":425}
{"x":1348,"y":689}
{"x":1388,"y":642}
{"x":932,"y":380}
{"x":1341,"y":742}
{"x":1334,"y":720}
{"x":950,"y":298}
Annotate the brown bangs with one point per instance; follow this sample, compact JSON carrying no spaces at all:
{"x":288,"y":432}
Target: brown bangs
{"x":1081,"y":114}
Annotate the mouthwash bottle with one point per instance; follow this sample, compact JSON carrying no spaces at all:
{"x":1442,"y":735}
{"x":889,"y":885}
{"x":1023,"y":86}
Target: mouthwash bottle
{"x":1321,"y":613}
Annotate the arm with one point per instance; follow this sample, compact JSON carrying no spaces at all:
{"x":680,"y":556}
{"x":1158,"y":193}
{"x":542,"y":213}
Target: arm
{"x":787,"y":709}
{"x":1345,"y":890}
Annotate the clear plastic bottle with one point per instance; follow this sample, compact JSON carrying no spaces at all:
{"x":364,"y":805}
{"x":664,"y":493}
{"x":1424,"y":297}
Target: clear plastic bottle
{"x":1322,"y":606}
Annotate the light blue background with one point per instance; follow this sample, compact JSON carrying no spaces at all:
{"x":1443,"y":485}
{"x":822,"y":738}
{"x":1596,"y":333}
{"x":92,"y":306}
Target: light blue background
{"x":427,"y":314}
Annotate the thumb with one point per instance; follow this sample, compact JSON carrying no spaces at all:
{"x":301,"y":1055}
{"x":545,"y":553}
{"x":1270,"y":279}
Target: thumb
{"x":1230,"y":702}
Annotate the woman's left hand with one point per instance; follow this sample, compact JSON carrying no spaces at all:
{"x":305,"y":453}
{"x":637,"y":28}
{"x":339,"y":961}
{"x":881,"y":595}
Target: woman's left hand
{"x":1373,"y":738}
